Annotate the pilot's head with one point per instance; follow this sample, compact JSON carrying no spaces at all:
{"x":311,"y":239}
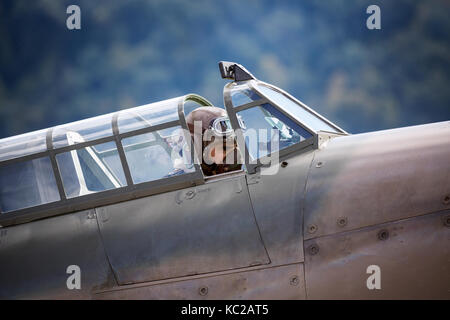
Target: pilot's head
{"x":213,"y":135}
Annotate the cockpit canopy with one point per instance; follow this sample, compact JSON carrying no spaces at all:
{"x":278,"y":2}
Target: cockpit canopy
{"x":143,"y":150}
{"x":117,"y":150}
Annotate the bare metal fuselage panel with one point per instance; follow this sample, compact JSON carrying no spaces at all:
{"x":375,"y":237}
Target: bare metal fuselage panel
{"x":310,"y":231}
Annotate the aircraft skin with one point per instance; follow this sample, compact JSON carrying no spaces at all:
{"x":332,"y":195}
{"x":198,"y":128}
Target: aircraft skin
{"x":311,"y":231}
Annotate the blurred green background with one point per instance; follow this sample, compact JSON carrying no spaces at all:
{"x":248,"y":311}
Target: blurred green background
{"x":130,"y":53}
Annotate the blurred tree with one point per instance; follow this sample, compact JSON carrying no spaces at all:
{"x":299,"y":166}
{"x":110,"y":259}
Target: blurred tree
{"x":136,"y":52}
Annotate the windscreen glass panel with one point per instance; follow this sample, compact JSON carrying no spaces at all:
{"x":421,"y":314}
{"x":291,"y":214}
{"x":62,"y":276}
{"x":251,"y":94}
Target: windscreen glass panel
{"x":22,"y":145}
{"x":242,"y":94}
{"x":268,"y":130}
{"x":157,"y":155}
{"x":27,"y":184}
{"x":148,"y":115}
{"x":84,"y":130}
{"x":296,"y":110}
{"x":91,"y":169}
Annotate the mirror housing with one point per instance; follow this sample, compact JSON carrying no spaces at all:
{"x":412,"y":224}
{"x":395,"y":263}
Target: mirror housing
{"x":234,"y":71}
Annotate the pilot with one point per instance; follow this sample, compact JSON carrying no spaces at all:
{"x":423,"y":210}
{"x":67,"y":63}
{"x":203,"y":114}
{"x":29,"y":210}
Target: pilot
{"x":214,"y":137}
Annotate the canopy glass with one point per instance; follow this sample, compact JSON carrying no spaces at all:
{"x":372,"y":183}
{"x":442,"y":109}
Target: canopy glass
{"x":123,"y":150}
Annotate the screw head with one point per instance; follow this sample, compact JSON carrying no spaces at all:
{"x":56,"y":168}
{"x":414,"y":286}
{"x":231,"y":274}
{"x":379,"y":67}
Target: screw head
{"x":342,"y":221}
{"x":319,"y":164}
{"x":294,"y":281}
{"x":312,"y":228}
{"x":383,"y":234}
{"x":203,"y":291}
{"x":284,"y":164}
{"x":313,"y":249}
{"x":446,"y":199}
{"x":447,"y":221}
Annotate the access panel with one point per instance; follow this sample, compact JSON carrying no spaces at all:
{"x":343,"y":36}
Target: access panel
{"x":274,"y":283}
{"x":35,"y":256}
{"x":192,"y":231}
{"x":410,"y":258}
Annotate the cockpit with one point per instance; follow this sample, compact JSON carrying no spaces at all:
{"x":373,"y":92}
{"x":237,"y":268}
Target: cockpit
{"x":146,"y":150}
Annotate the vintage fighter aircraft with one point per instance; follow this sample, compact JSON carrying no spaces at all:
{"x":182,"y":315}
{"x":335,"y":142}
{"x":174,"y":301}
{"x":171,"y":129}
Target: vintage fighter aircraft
{"x":364,"y":216}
